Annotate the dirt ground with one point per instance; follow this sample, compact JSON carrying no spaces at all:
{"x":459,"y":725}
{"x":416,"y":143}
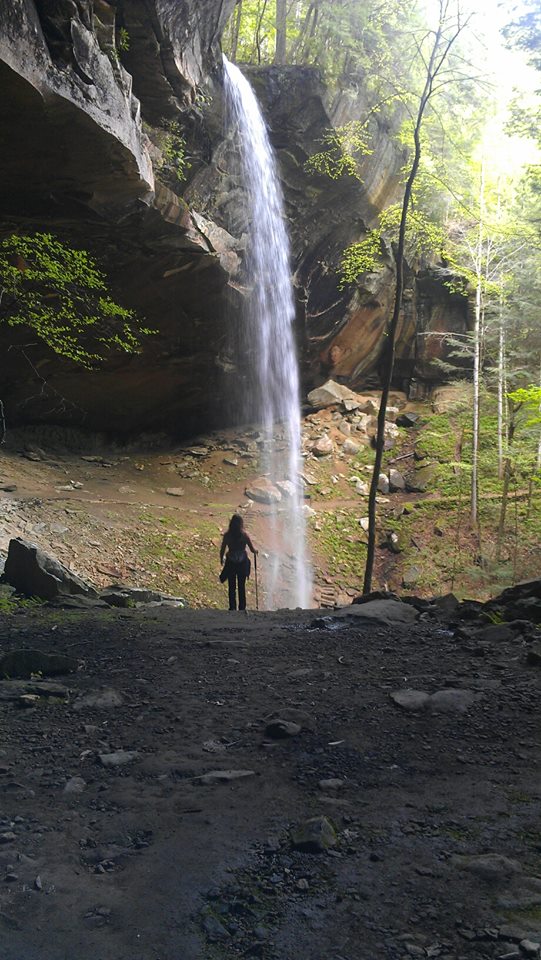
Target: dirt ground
{"x":434,"y":836}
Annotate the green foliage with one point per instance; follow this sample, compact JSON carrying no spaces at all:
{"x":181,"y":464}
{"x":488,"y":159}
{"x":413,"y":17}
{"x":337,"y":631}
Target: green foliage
{"x":344,"y":146}
{"x":10,"y":604}
{"x":530,"y":397}
{"x":360,"y":258}
{"x":424,"y":237}
{"x":123,"y":40}
{"x":175,"y":159}
{"x":61,"y":295}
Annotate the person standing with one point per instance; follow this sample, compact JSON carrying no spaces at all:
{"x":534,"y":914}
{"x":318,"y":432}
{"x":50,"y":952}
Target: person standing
{"x":237,"y":565}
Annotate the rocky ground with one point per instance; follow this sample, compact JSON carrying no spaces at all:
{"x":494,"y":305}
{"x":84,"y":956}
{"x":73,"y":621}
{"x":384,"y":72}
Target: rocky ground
{"x":151,"y":513}
{"x":151,"y":810}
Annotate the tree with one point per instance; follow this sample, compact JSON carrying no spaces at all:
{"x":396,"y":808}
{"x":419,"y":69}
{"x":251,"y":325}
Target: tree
{"x":281,"y":32}
{"x":60,"y":294}
{"x":525,"y":412}
{"x":442,"y":40}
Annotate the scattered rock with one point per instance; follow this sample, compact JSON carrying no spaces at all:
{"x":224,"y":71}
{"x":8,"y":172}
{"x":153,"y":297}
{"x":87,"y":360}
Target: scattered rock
{"x":119,"y":758}
{"x":263,"y":491}
{"x":451,"y":701}
{"x":420,"y":479}
{"x":75,"y":785}
{"x":224,"y":776}
{"x":214,"y":930}
{"x":175,"y":491}
{"x":281,"y":729}
{"x":533,"y":657}
{"x":407,"y":420}
{"x":314,"y":836}
{"x":383,"y":484}
{"x":411,"y":577}
{"x":490,"y":867}
{"x":496,"y":633}
{"x":198,"y":451}
{"x":323,"y":447}
{"x":396,"y":481}
{"x":332,"y":784}
{"x":351,"y":447}
{"x":530,"y":948}
{"x":286,"y":487}
{"x":411,"y":700}
{"x":99,"y":699}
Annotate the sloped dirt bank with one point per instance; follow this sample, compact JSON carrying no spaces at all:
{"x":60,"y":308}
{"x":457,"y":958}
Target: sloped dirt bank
{"x":115,"y":844}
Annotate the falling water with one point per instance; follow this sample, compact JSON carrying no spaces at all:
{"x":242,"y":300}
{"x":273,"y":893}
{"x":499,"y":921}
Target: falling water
{"x":275,"y":403}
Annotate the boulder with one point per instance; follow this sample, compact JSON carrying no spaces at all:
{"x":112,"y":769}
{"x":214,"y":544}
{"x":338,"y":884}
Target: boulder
{"x":35,"y":574}
{"x":419,"y":480}
{"x":351,"y":447}
{"x":263,"y":491}
{"x":396,"y":481}
{"x":323,"y":447}
{"x":451,"y":701}
{"x":411,"y":577}
{"x":533,"y":657}
{"x":21,"y":664}
{"x":383,"y":484}
{"x":522,"y":601}
{"x":407,"y":420}
{"x":282,"y":729}
{"x":119,"y":758}
{"x":286,"y":487}
{"x":411,"y":700}
{"x":119,"y":595}
{"x":314,"y":836}
{"x":383,"y":611}
{"x":331,"y":393}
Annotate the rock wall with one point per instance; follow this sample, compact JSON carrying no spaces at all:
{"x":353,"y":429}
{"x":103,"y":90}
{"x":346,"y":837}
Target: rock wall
{"x":79,"y":165}
{"x":344,"y":330}
{"x":91,"y":90}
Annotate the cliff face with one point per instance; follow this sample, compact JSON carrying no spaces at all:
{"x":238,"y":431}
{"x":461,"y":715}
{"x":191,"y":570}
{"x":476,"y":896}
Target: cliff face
{"x":344,"y":329}
{"x":92,"y":92}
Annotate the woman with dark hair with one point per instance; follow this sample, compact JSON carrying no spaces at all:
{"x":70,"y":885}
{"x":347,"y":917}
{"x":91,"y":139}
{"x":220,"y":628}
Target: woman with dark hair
{"x":237,"y":564}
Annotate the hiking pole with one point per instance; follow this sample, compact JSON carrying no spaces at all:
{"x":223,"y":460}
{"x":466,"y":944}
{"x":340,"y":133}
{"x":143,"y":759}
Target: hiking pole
{"x":256,"y":590}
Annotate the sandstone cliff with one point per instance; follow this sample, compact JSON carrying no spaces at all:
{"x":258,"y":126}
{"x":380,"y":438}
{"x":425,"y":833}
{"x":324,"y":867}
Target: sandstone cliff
{"x":87,"y":119}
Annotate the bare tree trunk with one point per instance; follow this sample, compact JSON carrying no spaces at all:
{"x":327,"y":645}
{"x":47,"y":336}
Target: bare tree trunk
{"x":257,"y":38}
{"x":539,"y":442}
{"x":477,"y":345}
{"x":503,"y":508}
{"x":236,"y":30}
{"x":501,"y":391}
{"x":438,"y":56}
{"x":303,"y":33}
{"x":281,"y":32}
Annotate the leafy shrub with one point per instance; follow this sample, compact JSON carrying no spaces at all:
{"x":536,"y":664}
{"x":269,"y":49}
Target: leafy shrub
{"x":61,"y":295}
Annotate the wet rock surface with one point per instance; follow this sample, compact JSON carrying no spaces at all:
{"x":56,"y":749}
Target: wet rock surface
{"x":424,"y":824}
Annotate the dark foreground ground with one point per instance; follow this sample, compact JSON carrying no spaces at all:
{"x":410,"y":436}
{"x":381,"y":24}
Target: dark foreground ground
{"x":436,"y":816}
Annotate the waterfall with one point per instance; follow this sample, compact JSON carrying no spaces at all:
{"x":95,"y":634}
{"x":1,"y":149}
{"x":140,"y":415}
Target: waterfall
{"x":274,"y":401}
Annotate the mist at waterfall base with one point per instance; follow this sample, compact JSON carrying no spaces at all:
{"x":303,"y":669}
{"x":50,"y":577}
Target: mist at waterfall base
{"x":267,"y":346}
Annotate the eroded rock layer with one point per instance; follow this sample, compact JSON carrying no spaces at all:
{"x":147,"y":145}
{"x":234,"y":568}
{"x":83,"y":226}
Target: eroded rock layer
{"x":96,"y":97}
